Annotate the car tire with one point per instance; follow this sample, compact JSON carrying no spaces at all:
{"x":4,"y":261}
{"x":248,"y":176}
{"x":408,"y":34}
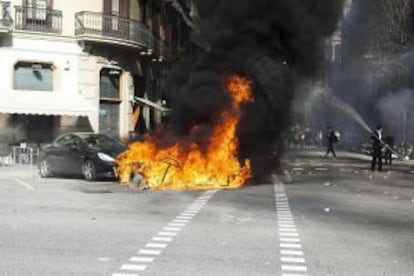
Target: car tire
{"x":45,"y":168}
{"x":89,"y":171}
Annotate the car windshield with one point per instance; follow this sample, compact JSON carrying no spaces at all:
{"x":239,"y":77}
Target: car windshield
{"x":102,"y":141}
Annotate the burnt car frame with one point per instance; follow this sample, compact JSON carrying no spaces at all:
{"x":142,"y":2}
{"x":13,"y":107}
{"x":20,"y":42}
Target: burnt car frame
{"x":89,"y":155}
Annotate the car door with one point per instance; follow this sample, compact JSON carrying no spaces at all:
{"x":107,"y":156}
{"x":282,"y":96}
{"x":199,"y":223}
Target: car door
{"x":74,"y":154}
{"x":57,"y":153}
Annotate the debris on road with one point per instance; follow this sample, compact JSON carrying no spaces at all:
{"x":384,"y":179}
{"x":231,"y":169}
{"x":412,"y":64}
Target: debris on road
{"x":327,"y":210}
{"x":327,"y":184}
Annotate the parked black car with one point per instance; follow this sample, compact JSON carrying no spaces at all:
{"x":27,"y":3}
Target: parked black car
{"x":89,"y":155}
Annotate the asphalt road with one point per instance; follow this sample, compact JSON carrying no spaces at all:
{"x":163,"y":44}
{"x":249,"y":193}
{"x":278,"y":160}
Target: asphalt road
{"x":322,"y":217}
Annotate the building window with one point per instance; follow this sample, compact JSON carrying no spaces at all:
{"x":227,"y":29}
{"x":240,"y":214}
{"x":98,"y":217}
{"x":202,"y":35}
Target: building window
{"x":36,"y":9}
{"x":109,"y":104}
{"x":33,"y":76}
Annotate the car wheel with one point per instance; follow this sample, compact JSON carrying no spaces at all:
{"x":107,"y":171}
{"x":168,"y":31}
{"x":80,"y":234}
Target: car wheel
{"x":89,"y":171}
{"x":45,"y":168}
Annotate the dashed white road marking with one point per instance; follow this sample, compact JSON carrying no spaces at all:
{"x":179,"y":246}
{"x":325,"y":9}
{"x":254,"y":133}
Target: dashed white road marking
{"x":160,"y":241}
{"x":289,"y":239}
{"x":171,"y":229}
{"x":291,"y":252}
{"x":167,"y":234}
{"x":289,"y":234}
{"x":291,"y":256}
{"x":176,"y":224}
{"x":133,"y":267}
{"x":292,"y":260}
{"x":295,"y":268}
{"x":156,"y":245}
{"x":290,"y":245}
{"x":149,"y":252}
{"x":165,"y":239}
{"x":141,"y":259}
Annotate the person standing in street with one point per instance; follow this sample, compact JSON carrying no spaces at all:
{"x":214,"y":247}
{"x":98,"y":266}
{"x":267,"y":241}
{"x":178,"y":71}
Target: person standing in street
{"x":377,"y":149}
{"x":389,"y":140}
{"x":331,"y":139}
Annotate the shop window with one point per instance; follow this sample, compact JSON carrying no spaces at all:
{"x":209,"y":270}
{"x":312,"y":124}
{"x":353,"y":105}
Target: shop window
{"x":109,"y":102}
{"x":33,"y":76}
{"x":109,"y":83}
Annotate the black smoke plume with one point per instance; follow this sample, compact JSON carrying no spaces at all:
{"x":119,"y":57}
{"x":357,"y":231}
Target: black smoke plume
{"x":274,"y":43}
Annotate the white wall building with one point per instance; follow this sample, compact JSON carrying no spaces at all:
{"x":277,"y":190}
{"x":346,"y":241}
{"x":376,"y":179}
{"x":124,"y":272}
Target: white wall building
{"x":75,"y":65}
{"x":334,"y":43}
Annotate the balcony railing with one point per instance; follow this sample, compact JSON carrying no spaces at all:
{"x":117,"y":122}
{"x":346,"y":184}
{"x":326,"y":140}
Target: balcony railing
{"x":117,"y":29}
{"x":38,"y":20}
{"x":5,"y":18}
{"x":111,"y":26}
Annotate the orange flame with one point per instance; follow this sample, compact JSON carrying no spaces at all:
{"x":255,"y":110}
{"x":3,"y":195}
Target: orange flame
{"x":187,"y":165}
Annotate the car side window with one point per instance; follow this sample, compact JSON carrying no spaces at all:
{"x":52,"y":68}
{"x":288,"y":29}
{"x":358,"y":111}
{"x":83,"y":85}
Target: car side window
{"x":76,"y":141}
{"x":64,"y":141}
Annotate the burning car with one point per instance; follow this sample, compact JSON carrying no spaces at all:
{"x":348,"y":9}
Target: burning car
{"x":89,"y":155}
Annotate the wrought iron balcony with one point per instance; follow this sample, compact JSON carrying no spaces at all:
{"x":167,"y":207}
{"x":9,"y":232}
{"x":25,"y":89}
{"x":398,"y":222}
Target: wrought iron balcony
{"x":5,"y":18}
{"x":114,"y":29}
{"x":38,"y":20}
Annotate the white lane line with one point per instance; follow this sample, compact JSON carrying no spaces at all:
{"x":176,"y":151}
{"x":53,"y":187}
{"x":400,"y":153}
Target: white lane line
{"x":164,"y":239}
{"x":292,"y":260}
{"x":286,"y":219}
{"x":133,"y":267}
{"x":170,"y":234}
{"x":171,"y":229}
{"x":141,"y":259}
{"x":289,"y":234}
{"x":290,"y":245}
{"x":296,"y":268}
{"x":291,"y":255}
{"x":167,"y":234}
{"x":180,"y":221}
{"x":283,"y":229}
{"x":184,"y":218}
{"x":289,"y":239}
{"x":290,"y":223}
{"x":291,"y":252}
{"x":149,"y":252}
{"x":156,"y":245}
{"x":176,"y":224}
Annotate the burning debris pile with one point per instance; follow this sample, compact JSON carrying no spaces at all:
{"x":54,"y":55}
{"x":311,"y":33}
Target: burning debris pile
{"x":218,"y":139}
{"x":188,"y":164}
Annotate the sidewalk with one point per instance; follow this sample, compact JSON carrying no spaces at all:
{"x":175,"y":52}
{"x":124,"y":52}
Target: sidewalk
{"x":18,"y":171}
{"x":319,"y":154}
